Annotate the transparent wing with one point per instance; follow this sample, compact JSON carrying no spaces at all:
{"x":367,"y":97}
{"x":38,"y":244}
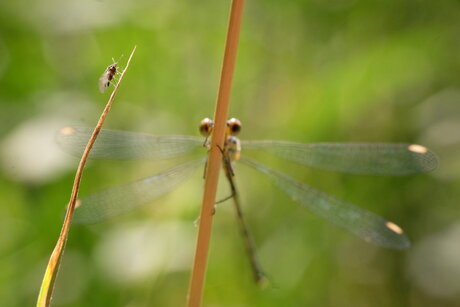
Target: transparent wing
{"x":362,"y":223}
{"x":356,"y":158}
{"x":113,"y":144}
{"x":116,"y":200}
{"x":104,"y":82}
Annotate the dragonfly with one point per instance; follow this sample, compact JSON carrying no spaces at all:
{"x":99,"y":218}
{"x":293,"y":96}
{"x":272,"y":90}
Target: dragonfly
{"x":353,"y":158}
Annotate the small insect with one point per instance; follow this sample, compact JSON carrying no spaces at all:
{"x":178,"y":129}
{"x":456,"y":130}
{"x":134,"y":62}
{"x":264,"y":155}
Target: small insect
{"x":108,"y":75}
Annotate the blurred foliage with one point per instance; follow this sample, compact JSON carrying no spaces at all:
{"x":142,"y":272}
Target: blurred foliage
{"x":307,"y":71}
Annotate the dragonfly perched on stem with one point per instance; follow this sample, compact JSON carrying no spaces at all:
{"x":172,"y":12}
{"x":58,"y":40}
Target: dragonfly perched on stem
{"x":355,"y":158}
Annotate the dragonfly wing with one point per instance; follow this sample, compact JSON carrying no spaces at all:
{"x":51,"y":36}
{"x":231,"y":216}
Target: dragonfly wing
{"x":112,"y":144}
{"x":356,"y":158}
{"x":362,"y":223}
{"x":116,"y":200}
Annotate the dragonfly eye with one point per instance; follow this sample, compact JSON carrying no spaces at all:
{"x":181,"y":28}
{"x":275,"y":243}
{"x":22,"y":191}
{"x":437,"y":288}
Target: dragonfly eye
{"x":234,"y":125}
{"x":206,"y":126}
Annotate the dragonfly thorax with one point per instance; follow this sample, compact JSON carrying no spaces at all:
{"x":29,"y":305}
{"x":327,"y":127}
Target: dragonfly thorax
{"x":233,"y":148}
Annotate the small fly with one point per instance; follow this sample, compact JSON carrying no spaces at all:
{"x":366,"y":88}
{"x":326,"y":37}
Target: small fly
{"x":108,"y":75}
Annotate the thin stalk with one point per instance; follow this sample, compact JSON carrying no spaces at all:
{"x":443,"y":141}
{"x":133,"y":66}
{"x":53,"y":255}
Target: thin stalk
{"x":52,"y":269}
{"x":215,"y":157}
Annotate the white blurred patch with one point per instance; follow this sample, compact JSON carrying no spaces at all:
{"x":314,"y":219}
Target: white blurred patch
{"x":444,"y":133}
{"x":134,"y":252}
{"x":66,"y":16}
{"x":434,"y":263}
{"x":439,"y":117}
{"x":30,"y":152}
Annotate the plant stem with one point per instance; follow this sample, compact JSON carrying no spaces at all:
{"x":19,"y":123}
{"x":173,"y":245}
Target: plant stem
{"x":52,"y":269}
{"x":215,"y":156}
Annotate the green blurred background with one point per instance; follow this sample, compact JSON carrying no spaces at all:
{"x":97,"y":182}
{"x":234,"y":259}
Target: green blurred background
{"x":307,"y":71}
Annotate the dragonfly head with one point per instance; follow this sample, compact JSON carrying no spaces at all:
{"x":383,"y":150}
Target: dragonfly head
{"x":207,"y":124}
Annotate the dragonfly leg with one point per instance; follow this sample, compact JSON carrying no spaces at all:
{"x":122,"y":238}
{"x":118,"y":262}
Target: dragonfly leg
{"x":205,"y":169}
{"x":225,"y":199}
{"x":206,"y":142}
{"x":197,"y":220}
